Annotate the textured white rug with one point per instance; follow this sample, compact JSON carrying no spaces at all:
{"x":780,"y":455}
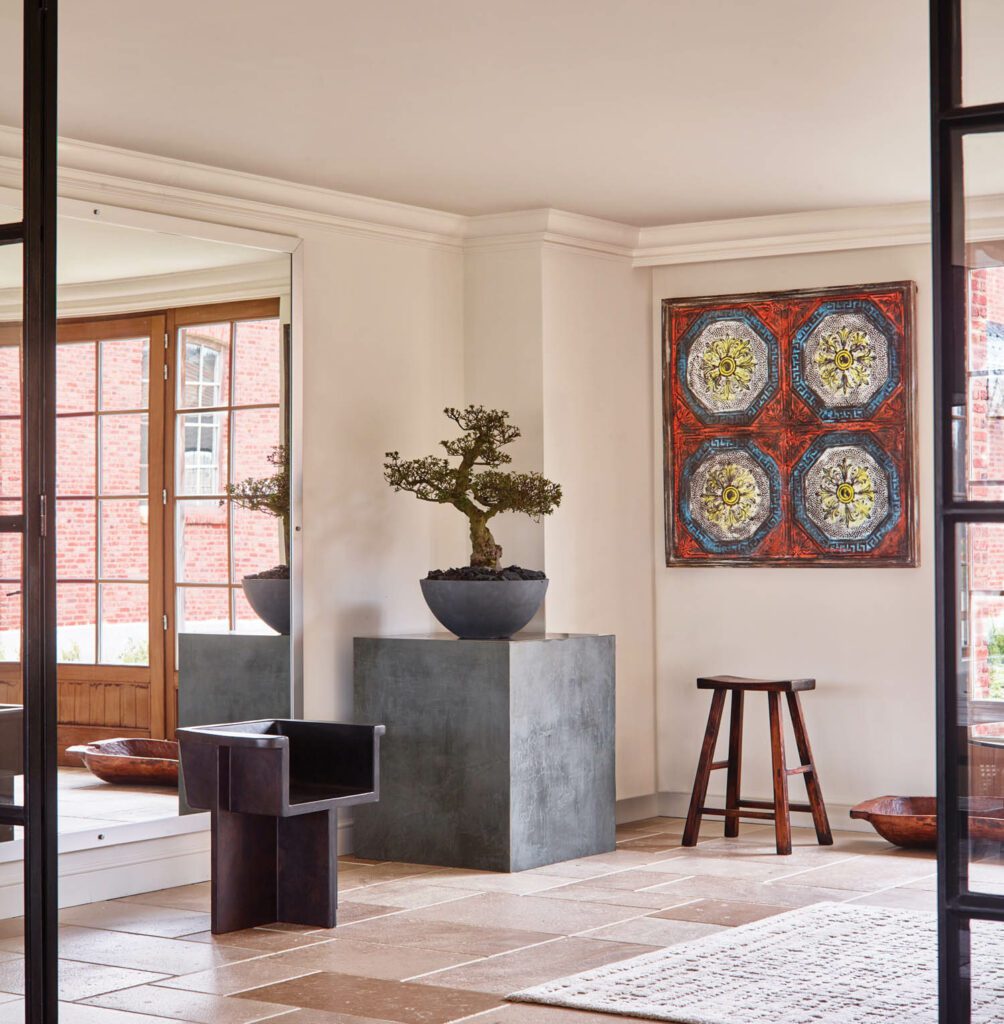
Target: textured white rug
{"x":825,"y":964}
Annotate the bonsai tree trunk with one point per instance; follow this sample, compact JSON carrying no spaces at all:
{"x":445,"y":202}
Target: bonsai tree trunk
{"x":485,"y":553}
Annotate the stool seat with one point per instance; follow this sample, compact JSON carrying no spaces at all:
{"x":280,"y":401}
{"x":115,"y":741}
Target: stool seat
{"x":765,"y":685}
{"x":776,"y":810}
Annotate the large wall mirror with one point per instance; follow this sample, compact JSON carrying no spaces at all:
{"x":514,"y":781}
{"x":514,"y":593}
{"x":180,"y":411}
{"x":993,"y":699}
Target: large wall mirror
{"x":175,"y":433}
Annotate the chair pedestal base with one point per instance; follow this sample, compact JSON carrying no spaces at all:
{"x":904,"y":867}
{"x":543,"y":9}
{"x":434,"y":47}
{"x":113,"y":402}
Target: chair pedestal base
{"x":267,"y":869}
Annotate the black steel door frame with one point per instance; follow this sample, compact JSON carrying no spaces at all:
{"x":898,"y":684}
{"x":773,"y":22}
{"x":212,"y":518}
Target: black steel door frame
{"x":36,"y":231}
{"x":951,"y":121}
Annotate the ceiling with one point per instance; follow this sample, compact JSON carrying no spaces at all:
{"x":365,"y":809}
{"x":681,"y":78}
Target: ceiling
{"x":90,"y":253}
{"x":642,"y":111}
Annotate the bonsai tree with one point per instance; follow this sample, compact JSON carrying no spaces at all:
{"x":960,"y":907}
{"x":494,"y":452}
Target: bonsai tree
{"x":476,"y":485}
{"x":268,"y":494}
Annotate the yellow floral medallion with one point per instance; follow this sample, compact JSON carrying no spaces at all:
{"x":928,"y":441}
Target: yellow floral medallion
{"x":730,"y":495}
{"x":728,"y":365}
{"x":847,"y":494}
{"x":845,"y":359}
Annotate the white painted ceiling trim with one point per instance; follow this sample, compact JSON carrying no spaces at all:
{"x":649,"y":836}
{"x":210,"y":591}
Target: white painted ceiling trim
{"x":163,"y":291}
{"x":175,"y":188}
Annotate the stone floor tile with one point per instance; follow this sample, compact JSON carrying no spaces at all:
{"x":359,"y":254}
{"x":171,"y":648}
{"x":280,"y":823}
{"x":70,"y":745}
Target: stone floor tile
{"x":526,"y":913}
{"x":233,"y":978}
{"x":653,"y":931}
{"x":521,"y":883}
{"x":723,"y":912}
{"x":864,"y":873}
{"x":752,"y":891}
{"x":79,"y":1013}
{"x":500,"y":975}
{"x":264,"y":940}
{"x":899,"y":899}
{"x":394,"y":1001}
{"x":370,"y":959}
{"x":587,"y":892}
{"x":183,"y":897}
{"x":141,"y":919}
{"x":470,"y":940}
{"x":144,"y":952}
{"x":405,"y":895}
{"x":77,"y":980}
{"x":188,"y":1006}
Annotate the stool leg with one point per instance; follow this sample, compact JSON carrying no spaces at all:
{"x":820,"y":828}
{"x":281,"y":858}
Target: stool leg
{"x":812,"y":787}
{"x":735,"y":764}
{"x":693,"y":825}
{"x":782,"y":817}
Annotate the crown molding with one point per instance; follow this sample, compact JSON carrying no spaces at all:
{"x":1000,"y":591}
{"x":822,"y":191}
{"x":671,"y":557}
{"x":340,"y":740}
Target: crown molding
{"x":147,"y":185}
{"x":163,"y":291}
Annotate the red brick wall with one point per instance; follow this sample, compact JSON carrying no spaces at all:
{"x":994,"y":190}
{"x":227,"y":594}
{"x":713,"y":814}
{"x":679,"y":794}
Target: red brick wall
{"x":122,"y":524}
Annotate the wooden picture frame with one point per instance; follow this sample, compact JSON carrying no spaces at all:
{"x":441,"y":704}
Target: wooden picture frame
{"x":788,"y":422}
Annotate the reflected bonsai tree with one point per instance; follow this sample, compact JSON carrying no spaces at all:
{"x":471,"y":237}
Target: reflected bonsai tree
{"x":476,"y":485}
{"x":268,"y":591}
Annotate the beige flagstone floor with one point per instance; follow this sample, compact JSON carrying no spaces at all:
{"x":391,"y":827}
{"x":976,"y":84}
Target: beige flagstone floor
{"x":425,"y":945}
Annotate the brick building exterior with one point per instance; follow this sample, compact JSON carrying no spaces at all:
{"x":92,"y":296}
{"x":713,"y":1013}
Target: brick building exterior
{"x":104,"y":453}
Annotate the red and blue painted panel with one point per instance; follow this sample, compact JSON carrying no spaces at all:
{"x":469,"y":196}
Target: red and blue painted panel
{"x":789,"y":428}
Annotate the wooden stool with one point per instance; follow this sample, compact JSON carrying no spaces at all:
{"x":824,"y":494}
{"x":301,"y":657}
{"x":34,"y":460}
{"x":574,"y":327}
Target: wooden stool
{"x":778,"y":810}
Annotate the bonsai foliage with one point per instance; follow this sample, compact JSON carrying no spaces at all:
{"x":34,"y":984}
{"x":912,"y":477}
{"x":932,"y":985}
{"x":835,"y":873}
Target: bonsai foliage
{"x":476,"y":485}
{"x":268,"y":494}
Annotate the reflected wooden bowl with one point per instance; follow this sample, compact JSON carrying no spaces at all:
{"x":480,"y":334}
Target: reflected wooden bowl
{"x":131,"y":761}
{"x":911,"y":821}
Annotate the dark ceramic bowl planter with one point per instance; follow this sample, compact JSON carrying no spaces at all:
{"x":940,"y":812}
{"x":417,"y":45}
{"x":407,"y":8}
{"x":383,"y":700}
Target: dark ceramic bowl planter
{"x":270,"y":600}
{"x":484,"y":609}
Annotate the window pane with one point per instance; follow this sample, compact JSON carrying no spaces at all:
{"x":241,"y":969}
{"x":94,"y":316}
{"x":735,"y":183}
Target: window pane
{"x":980,"y":631}
{"x":125,"y":540}
{"x":125,"y":373}
{"x":76,"y":619}
{"x":257,"y":543}
{"x":203,"y":609}
{"x":257,"y":362}
{"x":245,"y":618}
{"x":10,"y":373}
{"x":204,"y":366}
{"x":256,"y":434}
{"x":201,"y":453}
{"x":75,"y":455}
{"x":76,"y":537}
{"x":10,"y":622}
{"x":10,"y":593}
{"x":125,"y":624}
{"x":982,"y":31}
{"x":10,"y":458}
{"x":200,"y":534}
{"x":125,"y":454}
{"x":76,"y":370}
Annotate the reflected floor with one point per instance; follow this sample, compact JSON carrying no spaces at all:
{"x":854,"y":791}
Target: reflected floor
{"x":87,"y":803}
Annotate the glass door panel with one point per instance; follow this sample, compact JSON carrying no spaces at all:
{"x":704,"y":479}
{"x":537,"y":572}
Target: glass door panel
{"x":107,"y":543}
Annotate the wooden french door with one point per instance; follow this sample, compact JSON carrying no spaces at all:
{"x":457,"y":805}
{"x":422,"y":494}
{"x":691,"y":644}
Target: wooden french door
{"x":109,"y":555}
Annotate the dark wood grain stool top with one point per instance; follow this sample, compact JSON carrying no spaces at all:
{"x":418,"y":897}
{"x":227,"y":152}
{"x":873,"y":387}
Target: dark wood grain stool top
{"x":779,"y":809}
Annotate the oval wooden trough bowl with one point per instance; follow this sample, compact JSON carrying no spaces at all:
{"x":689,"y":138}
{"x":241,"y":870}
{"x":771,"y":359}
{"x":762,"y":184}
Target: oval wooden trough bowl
{"x":131,"y":762}
{"x":911,"y":821}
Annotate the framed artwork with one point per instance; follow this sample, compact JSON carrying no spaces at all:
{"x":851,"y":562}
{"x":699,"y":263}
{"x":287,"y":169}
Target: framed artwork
{"x":789,"y":428}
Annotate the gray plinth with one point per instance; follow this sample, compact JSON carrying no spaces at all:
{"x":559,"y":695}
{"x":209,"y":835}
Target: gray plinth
{"x":231,"y":677}
{"x":499,"y":754}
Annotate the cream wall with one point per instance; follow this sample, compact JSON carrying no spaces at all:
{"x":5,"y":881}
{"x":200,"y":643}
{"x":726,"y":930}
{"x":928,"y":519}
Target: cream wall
{"x":865,"y":634}
{"x":383,"y":355}
{"x":597,"y":444}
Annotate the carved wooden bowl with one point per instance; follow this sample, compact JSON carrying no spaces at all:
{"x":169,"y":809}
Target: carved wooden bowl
{"x":911,"y":821}
{"x":131,"y":762}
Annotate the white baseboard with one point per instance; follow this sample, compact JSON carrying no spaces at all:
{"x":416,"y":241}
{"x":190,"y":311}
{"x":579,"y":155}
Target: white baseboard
{"x":123,"y":860}
{"x":637,"y":808}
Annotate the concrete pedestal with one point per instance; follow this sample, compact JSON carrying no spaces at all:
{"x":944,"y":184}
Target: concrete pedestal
{"x":231,"y":677}
{"x":499,"y":754}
